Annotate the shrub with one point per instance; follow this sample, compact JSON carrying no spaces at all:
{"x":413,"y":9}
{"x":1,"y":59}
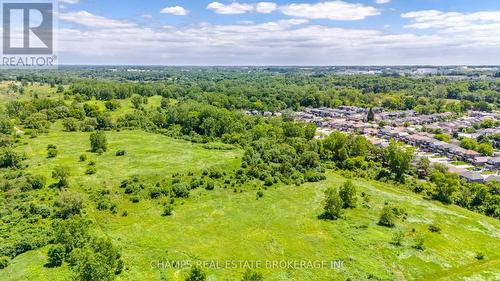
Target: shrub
{"x":112,"y":105}
{"x":196,"y":274}
{"x":70,"y":124}
{"x":69,"y":204}
{"x":252,"y":276}
{"x":210,"y":185}
{"x":91,"y":168}
{"x":434,"y":228}
{"x":167,"y":210}
{"x":36,"y":181}
{"x":479,"y":256}
{"x":83,"y":158}
{"x":61,"y":173}
{"x":268,"y":181}
{"x":9,"y":158}
{"x":419,"y":244}
{"x":98,"y":142}
{"x":397,"y":238}
{"x":260,"y":194}
{"x":4,"y":262}
{"x":56,"y":255}
{"x":52,"y":153}
{"x":387,"y":217}
{"x":181,"y":190}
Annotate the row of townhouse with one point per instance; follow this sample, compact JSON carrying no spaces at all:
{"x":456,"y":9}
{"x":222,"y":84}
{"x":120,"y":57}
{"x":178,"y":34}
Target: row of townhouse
{"x":426,"y":142}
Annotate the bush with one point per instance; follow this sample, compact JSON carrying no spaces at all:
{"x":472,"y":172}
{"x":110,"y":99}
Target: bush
{"x":434,"y":228}
{"x":120,"y":153}
{"x":210,"y":185}
{"x":419,"y":244}
{"x":9,"y":158}
{"x":56,"y":255}
{"x":98,"y":142}
{"x":167,"y":210}
{"x":70,"y":125}
{"x":69,"y":204}
{"x":268,"y":181}
{"x":4,"y":262}
{"x":61,"y":173}
{"x":52,"y":153}
{"x":112,"y":105}
{"x":36,"y":181}
{"x":479,"y":256}
{"x":260,"y":194}
{"x":181,"y":190}
{"x":83,"y":158}
{"x":387,"y":217}
{"x":91,"y":168}
{"x":196,"y":274}
{"x":397,"y":239}
{"x":252,"y":276}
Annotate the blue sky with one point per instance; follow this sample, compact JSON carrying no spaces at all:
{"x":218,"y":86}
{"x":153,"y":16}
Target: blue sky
{"x":281,"y":32}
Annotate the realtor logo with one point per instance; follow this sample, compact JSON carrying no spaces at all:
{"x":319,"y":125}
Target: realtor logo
{"x":28,"y":34}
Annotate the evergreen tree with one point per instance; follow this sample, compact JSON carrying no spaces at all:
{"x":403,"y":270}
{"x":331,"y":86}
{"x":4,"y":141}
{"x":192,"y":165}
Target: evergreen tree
{"x":371,"y":116}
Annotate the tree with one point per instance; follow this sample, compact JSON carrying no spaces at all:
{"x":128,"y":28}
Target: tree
{"x":70,"y":124}
{"x":98,"y":142}
{"x":196,"y":274}
{"x":371,"y":116}
{"x":486,"y":149}
{"x":446,"y":183}
{"x":333,"y":204}
{"x":91,"y":266}
{"x":399,"y":158}
{"x":69,"y":204}
{"x":348,"y":194}
{"x":387,"y":217}
{"x":6,"y":126}
{"x":61,"y":173}
{"x":56,"y":255}
{"x":424,"y":167}
{"x":9,"y":158}
{"x":137,"y":101}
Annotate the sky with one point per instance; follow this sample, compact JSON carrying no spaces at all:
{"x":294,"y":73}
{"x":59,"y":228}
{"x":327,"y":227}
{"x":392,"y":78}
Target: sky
{"x":281,"y":32}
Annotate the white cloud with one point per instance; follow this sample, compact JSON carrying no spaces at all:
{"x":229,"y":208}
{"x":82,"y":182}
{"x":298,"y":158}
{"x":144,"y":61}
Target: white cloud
{"x":382,"y":1}
{"x":266,"y":7}
{"x":230,"y":9}
{"x":176,"y":10}
{"x":90,"y":20}
{"x":285,"y":42}
{"x":483,"y":25}
{"x":332,"y":10}
{"x":69,"y":1}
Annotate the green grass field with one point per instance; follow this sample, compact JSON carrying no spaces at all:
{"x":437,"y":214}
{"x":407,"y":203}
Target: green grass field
{"x":223,"y":225}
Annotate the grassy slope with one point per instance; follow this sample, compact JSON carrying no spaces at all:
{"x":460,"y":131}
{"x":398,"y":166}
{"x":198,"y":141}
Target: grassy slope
{"x":222,"y":225}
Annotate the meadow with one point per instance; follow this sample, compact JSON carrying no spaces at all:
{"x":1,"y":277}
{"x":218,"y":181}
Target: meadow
{"x":224,"y":225}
